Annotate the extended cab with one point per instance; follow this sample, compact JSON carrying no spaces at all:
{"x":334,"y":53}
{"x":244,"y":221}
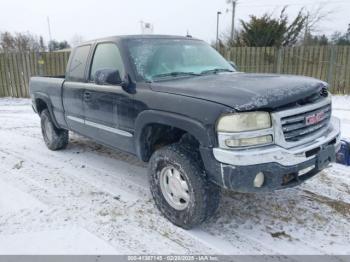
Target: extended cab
{"x":202,"y":125}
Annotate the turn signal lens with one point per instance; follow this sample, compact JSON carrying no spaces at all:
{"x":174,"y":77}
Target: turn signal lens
{"x":249,"y":141}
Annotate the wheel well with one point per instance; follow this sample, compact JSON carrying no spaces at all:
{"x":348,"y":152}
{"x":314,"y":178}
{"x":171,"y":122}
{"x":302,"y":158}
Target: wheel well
{"x":40,"y":105}
{"x":155,"y":136}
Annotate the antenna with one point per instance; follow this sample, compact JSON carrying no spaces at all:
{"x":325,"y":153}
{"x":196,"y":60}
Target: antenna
{"x":48,"y":24}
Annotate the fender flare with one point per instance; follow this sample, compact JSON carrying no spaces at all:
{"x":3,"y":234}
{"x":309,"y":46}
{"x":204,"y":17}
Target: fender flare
{"x":47,"y":100}
{"x":191,"y":126}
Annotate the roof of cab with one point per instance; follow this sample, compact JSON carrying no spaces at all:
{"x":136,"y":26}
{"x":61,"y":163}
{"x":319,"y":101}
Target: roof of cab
{"x":127,"y":37}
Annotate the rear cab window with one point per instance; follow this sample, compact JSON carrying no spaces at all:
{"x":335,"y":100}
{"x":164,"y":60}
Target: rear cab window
{"x":76,"y":71}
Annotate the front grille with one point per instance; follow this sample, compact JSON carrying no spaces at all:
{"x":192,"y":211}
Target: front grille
{"x":324,"y":92}
{"x":311,"y":99}
{"x":296,"y":128}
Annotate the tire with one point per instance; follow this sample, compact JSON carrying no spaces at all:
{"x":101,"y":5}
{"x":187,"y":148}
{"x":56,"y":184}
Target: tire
{"x":197,"y":204}
{"x":214,"y":191}
{"x":55,"y":138}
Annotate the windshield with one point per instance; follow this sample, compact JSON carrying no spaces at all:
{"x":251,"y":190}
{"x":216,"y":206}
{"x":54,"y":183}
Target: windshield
{"x":158,"y":58}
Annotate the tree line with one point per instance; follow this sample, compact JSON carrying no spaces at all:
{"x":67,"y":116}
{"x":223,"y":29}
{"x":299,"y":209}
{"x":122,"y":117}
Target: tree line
{"x":24,"y":42}
{"x":269,"y":30}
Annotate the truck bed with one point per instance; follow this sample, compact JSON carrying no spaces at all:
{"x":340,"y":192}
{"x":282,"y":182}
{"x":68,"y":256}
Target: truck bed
{"x":49,"y":89}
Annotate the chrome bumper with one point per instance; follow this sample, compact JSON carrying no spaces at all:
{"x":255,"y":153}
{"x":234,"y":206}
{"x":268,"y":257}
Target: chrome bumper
{"x":277,"y":154}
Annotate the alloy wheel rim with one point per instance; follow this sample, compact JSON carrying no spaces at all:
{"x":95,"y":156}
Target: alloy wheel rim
{"x":174,"y":188}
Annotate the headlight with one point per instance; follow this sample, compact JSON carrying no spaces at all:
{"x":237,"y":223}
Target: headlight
{"x":241,"y":122}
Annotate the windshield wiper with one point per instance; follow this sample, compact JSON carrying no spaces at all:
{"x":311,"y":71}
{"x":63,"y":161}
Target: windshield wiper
{"x":175,"y":74}
{"x":215,"y":71}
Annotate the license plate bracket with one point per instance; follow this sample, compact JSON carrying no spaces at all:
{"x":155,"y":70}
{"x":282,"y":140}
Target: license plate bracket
{"x":325,"y":157}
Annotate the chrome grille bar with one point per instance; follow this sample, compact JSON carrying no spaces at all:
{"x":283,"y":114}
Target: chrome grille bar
{"x":295,"y":127}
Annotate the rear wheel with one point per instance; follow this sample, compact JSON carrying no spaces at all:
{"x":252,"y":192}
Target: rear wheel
{"x":55,"y":138}
{"x":180,"y":188}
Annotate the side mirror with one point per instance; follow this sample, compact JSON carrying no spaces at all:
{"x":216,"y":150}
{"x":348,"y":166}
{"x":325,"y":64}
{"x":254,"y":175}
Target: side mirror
{"x":108,"y":76}
{"x":233,"y":64}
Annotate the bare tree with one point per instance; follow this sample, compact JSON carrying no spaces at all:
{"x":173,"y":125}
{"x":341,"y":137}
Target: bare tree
{"x":19,"y":42}
{"x":26,"y":42}
{"x":341,"y":39}
{"x":7,"y":41}
{"x":313,"y":20}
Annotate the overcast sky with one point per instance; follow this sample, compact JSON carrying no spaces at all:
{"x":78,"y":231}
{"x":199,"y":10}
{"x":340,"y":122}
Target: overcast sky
{"x":98,"y":18}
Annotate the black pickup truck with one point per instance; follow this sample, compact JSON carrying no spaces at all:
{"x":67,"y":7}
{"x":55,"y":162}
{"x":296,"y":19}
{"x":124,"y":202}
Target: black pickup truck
{"x":178,"y":104}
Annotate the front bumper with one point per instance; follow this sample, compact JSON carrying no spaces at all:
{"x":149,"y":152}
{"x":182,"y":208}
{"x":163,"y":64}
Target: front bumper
{"x":277,"y":154}
{"x":281,"y":167}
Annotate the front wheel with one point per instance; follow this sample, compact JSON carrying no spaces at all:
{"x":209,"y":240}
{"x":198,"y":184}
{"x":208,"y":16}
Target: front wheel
{"x":55,"y":138}
{"x":180,"y":188}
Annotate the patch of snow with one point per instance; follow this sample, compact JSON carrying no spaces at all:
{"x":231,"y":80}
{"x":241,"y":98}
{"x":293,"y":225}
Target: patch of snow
{"x":12,"y":199}
{"x":67,"y":241}
{"x":89,"y":199}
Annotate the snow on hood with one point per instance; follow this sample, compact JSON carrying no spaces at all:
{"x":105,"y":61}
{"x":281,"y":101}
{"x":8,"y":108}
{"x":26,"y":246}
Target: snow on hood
{"x":243,"y":91}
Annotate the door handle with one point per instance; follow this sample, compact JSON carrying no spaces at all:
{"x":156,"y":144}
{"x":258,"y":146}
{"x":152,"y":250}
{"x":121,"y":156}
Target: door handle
{"x":87,"y":96}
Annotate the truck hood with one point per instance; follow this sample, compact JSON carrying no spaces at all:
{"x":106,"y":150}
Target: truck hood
{"x":243,"y":91}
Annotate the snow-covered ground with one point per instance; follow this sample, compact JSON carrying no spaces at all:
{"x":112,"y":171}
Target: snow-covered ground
{"x":89,"y":199}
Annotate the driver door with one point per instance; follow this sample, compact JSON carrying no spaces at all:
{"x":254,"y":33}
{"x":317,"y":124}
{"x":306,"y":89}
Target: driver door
{"x":103,"y":103}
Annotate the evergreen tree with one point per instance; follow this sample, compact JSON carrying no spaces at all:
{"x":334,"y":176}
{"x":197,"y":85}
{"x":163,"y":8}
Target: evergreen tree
{"x":270,"y":31}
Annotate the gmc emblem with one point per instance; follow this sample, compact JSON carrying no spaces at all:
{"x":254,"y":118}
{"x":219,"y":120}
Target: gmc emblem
{"x":314,"y":119}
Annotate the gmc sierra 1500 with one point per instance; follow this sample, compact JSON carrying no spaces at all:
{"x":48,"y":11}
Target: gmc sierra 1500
{"x":202,"y":125}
